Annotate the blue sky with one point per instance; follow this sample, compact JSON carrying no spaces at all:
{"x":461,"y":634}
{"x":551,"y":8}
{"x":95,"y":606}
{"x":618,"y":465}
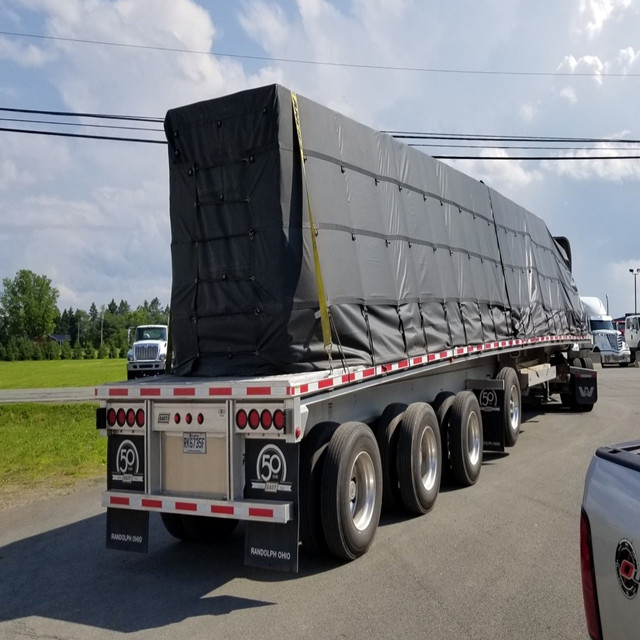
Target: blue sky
{"x":93,"y":215}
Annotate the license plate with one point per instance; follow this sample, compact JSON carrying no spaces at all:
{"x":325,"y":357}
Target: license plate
{"x":194,"y":443}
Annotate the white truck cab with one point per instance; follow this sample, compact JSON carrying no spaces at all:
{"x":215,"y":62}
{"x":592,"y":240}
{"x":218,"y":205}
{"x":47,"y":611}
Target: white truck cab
{"x":148,"y":353}
{"x":632,"y":333}
{"x":608,"y":344}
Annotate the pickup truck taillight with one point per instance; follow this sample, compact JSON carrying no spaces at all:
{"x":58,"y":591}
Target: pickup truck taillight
{"x":589,"y":592}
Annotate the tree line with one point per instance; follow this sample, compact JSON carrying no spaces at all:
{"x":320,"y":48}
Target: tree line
{"x":33,"y":328}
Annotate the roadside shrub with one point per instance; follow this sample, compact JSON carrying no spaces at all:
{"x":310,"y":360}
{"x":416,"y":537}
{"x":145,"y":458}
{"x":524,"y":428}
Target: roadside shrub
{"x":66,"y":352}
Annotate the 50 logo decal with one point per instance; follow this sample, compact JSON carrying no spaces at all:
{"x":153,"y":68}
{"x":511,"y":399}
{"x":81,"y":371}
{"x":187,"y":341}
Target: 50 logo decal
{"x":127,"y":459}
{"x":488,"y":399}
{"x":127,"y":465}
{"x":271,"y":470}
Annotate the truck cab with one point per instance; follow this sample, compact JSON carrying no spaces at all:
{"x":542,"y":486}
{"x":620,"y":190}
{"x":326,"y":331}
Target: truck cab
{"x":148,"y":353}
{"x":608,"y":344}
{"x":632,"y":333}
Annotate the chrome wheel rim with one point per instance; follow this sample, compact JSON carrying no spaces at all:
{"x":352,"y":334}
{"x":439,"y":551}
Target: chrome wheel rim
{"x":362,"y":491}
{"x":474,"y":446}
{"x":428,"y":458}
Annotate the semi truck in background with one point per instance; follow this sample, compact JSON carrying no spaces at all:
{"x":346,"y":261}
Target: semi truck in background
{"x":148,"y":353}
{"x":632,"y":334}
{"x":352,"y":321}
{"x":609,"y":346}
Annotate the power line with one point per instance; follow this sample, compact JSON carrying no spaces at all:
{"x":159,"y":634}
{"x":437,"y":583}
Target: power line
{"x":406,"y":135}
{"x":437,"y":157}
{"x":448,"y":157}
{"x":72,"y":114}
{"x":65,"y":134}
{"x":220,"y":54}
{"x":78,"y":124}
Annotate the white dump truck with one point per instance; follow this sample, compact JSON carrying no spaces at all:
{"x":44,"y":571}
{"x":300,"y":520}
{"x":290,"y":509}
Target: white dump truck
{"x":148,"y":353}
{"x":609,"y":347}
{"x":352,"y":321}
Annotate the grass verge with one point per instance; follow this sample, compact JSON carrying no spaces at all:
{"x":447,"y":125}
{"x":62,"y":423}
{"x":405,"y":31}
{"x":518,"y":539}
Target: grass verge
{"x":48,"y":447}
{"x":47,"y":374}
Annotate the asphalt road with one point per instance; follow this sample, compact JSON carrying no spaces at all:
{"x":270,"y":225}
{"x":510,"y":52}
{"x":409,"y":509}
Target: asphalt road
{"x":496,"y":561}
{"x":67,"y":394}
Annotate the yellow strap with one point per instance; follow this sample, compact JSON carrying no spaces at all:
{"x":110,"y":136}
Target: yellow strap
{"x":322,"y":300}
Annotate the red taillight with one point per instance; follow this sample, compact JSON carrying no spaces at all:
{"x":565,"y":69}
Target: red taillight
{"x":265,"y":419}
{"x":241,"y":419}
{"x":140,"y":417}
{"x":254,"y":419}
{"x":111,"y":417}
{"x":589,"y":593}
{"x":120,"y":417}
{"x":131,"y":417}
{"x":188,"y":418}
{"x":278,"y":419}
{"x":200,"y":418}
{"x":176,"y":418}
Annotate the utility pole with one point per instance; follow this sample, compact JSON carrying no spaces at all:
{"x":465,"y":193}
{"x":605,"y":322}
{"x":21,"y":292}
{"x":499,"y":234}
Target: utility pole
{"x":634,"y":273}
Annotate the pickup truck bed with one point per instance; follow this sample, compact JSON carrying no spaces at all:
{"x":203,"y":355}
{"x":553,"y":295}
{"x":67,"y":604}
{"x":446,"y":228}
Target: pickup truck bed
{"x":610,"y":542}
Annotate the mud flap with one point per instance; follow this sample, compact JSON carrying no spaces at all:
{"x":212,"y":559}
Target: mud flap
{"x":490,"y":394}
{"x":583,"y":385}
{"x":271,"y":473}
{"x":128,"y":530}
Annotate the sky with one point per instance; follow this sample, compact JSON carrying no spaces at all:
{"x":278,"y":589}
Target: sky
{"x":92,"y":215}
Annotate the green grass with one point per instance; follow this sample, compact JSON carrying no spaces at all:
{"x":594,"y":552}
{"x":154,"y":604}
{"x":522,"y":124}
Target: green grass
{"x":43,"y":374}
{"x":52,"y":445}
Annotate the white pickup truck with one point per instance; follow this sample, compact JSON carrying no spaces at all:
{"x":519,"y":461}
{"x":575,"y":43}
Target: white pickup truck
{"x":610,"y":543}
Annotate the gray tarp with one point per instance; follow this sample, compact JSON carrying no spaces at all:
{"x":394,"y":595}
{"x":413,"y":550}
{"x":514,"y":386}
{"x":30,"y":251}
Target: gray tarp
{"x":416,"y":257}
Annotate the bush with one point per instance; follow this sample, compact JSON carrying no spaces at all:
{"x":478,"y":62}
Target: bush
{"x":66,"y":353}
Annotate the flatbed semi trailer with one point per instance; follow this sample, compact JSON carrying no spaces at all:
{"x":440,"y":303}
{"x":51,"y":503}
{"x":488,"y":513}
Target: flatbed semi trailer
{"x":208,"y":454}
{"x":352,"y":322}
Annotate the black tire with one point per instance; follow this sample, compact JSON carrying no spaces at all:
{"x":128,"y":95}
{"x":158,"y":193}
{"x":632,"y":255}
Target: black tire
{"x":386,"y":432}
{"x":465,"y":439}
{"x":312,"y":454}
{"x":174,"y":525}
{"x":207,"y":530}
{"x":419,"y":458}
{"x":442,"y":406}
{"x":624,"y":364}
{"x":511,"y":410}
{"x":351,"y":492}
{"x":587,"y":363}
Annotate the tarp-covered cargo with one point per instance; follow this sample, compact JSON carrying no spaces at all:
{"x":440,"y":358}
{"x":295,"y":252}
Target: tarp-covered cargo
{"x":415,"y":256}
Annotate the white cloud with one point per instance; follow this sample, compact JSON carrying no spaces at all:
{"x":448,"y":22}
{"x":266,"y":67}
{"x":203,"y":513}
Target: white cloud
{"x":26,"y":55}
{"x":585,"y":65}
{"x":507,"y":176}
{"x":569,"y":94}
{"x":596,"y":13}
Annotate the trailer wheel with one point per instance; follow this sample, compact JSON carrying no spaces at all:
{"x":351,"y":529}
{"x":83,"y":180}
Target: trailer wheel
{"x":419,"y":458}
{"x":208,"y":530}
{"x":386,"y":432}
{"x":351,"y":495}
{"x":465,"y":439}
{"x":586,"y":363}
{"x":174,"y":525}
{"x":511,"y":410}
{"x":312,"y":454}
{"x":442,"y":404}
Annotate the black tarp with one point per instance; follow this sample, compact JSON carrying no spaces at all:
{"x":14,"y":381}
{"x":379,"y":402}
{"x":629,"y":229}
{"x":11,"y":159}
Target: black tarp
{"x":416,"y":257}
